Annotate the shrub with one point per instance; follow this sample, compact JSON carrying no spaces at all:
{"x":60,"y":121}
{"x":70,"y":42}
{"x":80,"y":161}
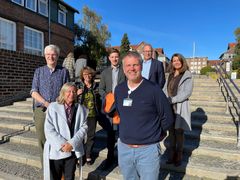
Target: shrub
{"x":206,"y":70}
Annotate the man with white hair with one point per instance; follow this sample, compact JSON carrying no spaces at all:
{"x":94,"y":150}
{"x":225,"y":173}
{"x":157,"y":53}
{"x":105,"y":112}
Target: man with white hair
{"x":46,"y":85}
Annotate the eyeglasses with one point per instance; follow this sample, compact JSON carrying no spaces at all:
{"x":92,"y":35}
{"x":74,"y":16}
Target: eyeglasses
{"x":147,"y":51}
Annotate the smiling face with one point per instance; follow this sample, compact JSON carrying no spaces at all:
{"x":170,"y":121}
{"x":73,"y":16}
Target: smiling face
{"x":70,"y":95}
{"x":147,"y":52}
{"x":114,"y":58}
{"x":132,"y":69}
{"x":51,"y":57}
{"x":177,"y":64}
{"x":87,"y":76}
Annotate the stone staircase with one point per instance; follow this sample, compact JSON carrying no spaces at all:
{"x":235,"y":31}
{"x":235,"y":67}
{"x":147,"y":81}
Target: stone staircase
{"x":210,"y":150}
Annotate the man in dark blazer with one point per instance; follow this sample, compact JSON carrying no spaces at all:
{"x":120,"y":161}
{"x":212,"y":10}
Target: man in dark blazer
{"x":110,"y":78}
{"x":152,"y":69}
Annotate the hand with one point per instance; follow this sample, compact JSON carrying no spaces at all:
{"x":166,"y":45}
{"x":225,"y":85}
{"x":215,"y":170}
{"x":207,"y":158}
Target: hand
{"x":66,"y":147}
{"x":79,"y":91}
{"x":46,"y":104}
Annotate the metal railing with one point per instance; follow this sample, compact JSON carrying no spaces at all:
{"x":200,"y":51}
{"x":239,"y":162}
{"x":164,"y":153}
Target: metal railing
{"x":230,"y":97}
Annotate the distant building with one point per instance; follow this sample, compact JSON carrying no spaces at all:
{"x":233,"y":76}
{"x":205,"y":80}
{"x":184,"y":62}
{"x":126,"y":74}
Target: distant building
{"x":26,"y":27}
{"x":158,"y":53}
{"x":230,"y":53}
{"x":196,"y":64}
{"x":212,"y":63}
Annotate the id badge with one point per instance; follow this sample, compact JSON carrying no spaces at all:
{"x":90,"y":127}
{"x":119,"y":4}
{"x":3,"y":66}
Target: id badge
{"x":127,"y":102}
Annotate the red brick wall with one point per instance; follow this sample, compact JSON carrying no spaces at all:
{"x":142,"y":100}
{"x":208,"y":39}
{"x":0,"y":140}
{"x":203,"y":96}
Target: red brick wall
{"x":16,"y":73}
{"x":60,"y":35}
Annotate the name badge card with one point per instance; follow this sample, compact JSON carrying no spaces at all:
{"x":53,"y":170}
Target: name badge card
{"x":127,"y":102}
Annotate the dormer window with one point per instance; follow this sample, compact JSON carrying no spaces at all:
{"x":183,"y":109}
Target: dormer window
{"x":43,"y":7}
{"x":62,"y":17}
{"x":31,"y":4}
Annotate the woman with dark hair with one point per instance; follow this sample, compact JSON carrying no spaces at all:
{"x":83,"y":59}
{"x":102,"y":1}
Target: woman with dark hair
{"x":178,"y":89}
{"x":65,"y":129}
{"x":89,"y":97}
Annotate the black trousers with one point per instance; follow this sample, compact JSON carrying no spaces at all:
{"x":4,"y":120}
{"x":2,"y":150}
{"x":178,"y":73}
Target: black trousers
{"x":106,"y":124}
{"x":66,"y":167}
{"x":91,"y":122}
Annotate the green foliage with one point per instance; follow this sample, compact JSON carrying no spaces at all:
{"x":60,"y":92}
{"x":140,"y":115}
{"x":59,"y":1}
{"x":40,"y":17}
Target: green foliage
{"x":206,"y":70}
{"x":91,"y":37}
{"x":125,"y":45}
{"x":236,"y":62}
{"x":236,"y":59}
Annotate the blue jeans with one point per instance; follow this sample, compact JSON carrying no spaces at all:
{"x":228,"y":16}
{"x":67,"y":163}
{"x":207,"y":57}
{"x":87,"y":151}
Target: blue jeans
{"x":142,"y":163}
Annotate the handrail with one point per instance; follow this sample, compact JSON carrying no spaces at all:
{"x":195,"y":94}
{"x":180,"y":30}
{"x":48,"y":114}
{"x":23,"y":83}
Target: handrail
{"x":229,"y":90}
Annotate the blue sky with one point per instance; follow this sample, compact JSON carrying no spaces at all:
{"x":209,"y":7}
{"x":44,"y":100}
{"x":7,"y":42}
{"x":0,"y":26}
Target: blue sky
{"x":173,"y":25}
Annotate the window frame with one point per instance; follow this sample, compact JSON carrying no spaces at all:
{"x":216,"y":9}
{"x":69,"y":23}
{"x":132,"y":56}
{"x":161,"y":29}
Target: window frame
{"x":13,"y":35}
{"x":46,"y":3}
{"x":64,"y":17}
{"x":35,"y":7}
{"x":21,"y":4}
{"x":33,"y":48}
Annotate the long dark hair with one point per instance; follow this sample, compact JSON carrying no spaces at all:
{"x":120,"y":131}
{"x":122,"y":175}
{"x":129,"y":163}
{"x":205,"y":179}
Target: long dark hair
{"x":182,"y":59}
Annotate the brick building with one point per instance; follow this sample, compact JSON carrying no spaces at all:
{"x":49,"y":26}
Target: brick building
{"x":196,"y":64}
{"x":26,"y":27}
{"x":158,"y":53}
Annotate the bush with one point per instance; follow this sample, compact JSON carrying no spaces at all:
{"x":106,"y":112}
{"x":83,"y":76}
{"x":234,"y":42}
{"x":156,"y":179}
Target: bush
{"x":206,"y":70}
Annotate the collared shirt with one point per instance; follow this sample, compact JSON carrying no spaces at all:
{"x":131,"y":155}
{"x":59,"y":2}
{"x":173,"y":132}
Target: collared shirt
{"x":146,"y":68}
{"x":69,"y":113}
{"x":49,"y":83}
{"x":115,"y":71}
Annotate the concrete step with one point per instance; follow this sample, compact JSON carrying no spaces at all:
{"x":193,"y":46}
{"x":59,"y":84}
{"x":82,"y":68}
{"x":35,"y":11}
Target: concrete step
{"x":206,"y":98}
{"x":16,"y":115}
{"x":13,"y":108}
{"x":16,"y":124}
{"x":229,"y":126}
{"x":208,"y":103}
{"x":201,"y":115}
{"x":189,"y":165}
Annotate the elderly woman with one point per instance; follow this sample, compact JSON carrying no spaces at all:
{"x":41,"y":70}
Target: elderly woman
{"x":178,"y":89}
{"x":65,"y":129}
{"x":89,"y":97}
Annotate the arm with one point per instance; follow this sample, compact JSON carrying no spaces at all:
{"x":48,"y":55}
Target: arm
{"x":35,"y":89}
{"x":55,"y":139}
{"x":184,"y":92}
{"x":161,"y":73}
{"x":164,"y":110}
{"x":102,"y":86}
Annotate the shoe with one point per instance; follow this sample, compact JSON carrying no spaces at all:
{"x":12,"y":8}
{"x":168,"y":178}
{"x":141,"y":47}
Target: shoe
{"x":89,"y":161}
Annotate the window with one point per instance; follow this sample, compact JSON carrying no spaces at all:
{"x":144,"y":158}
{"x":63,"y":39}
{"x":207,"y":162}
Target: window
{"x":20,"y":2}
{"x":33,"y":41}
{"x":7,"y":34}
{"x":43,"y":7}
{"x":31,"y":4}
{"x":62,"y":17}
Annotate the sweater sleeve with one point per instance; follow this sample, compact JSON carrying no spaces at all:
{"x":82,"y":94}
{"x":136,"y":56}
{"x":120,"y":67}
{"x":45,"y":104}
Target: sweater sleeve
{"x":164,"y":110}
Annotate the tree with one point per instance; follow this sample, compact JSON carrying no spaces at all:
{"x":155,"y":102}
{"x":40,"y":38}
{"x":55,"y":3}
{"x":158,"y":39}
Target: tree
{"x":206,"y":70}
{"x":125,"y":45}
{"x":236,"y":60}
{"x":91,"y":37}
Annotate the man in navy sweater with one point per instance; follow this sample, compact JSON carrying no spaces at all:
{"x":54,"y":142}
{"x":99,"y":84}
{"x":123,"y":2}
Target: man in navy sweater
{"x":145,"y":114}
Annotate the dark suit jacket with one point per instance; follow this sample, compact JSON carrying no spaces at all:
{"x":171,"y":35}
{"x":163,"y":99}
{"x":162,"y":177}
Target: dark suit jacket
{"x":156,"y":73}
{"x":105,"y":85}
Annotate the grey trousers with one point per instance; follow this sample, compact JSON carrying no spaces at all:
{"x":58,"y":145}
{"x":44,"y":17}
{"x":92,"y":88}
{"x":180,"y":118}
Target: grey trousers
{"x":39,"y":119}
